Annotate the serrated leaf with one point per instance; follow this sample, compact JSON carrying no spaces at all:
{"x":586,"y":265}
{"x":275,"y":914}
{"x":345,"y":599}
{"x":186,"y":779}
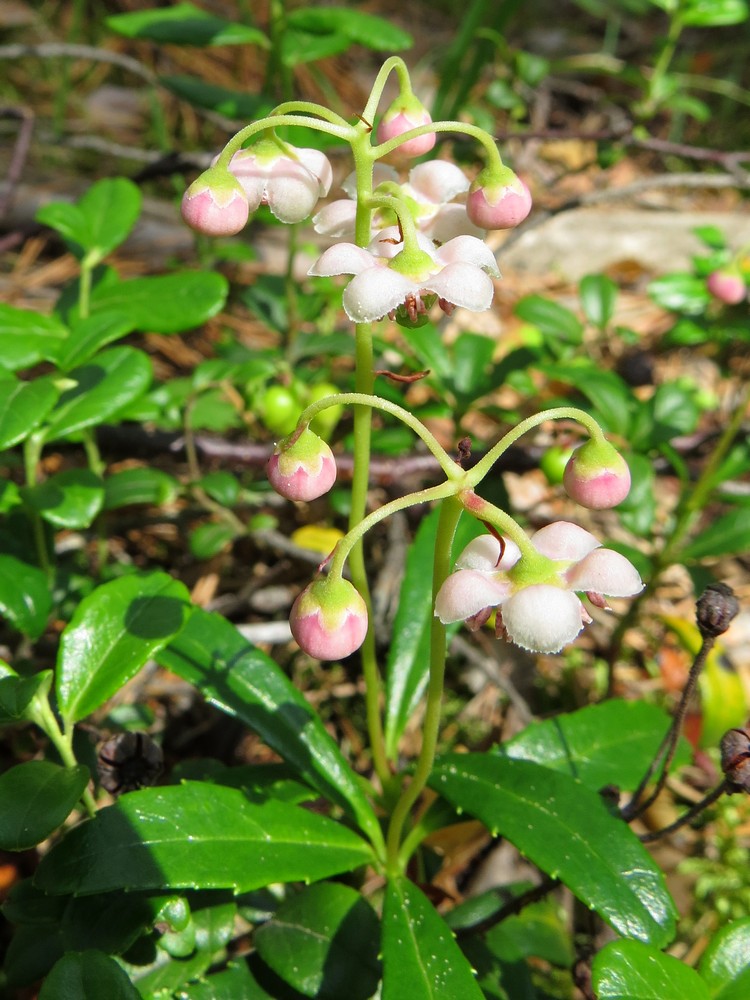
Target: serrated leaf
{"x":88,"y":975}
{"x":110,"y":381}
{"x":567,"y":831}
{"x":185,"y":24}
{"x":70,"y":499}
{"x":198,"y":836}
{"x":166,"y":303}
{"x":35,"y":799}
{"x":25,"y":596}
{"x":243,"y":681}
{"x":631,"y":970}
{"x":28,"y":337}
{"x":23,"y":406}
{"x":421,"y":959}
{"x":112,"y":634}
{"x":611,"y":743}
{"x":729,"y":534}
{"x":324,"y":941}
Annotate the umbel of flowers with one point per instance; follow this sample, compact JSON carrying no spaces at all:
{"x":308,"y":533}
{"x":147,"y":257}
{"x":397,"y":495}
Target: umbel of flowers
{"x":413,"y":245}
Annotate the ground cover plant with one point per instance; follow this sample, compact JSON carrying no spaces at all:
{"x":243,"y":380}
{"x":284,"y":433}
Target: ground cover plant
{"x":242,"y":753}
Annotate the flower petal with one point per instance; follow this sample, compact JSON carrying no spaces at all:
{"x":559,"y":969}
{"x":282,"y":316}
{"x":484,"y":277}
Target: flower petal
{"x":541,"y":618}
{"x":336,"y":219}
{"x":438,"y":180}
{"x":469,"y":250}
{"x":319,"y":166}
{"x":467,"y":592}
{"x":343,"y":258}
{"x":483,"y":554}
{"x":564,"y":540}
{"x":381,"y":172}
{"x":374,"y":292}
{"x":464,"y":285}
{"x":292,"y":191}
{"x":605,"y":571}
{"x":450,"y":221}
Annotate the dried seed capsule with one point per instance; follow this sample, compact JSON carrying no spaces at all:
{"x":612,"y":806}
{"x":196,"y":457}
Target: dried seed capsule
{"x":735,"y":759}
{"x":129,"y":761}
{"x":716,"y":608}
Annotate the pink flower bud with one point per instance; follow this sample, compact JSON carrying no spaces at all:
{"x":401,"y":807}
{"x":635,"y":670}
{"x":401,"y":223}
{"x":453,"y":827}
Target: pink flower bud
{"x":597,"y":476}
{"x":402,"y":116}
{"x":329,"y":619}
{"x":727,"y":285}
{"x":215,"y":204}
{"x":302,"y":470}
{"x":498,"y":199}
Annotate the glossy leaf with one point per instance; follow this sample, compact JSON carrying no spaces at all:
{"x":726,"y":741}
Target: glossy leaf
{"x":555,"y":321}
{"x":89,"y":335}
{"x":110,"y":922}
{"x":567,"y":831}
{"x":725,"y":964}
{"x":223,"y":487}
{"x":472,"y":363}
{"x":25,"y":597}
{"x":167,"y":303}
{"x":233,"y":983}
{"x":237,"y":104}
{"x":113,"y":632}
{"x":28,"y":337}
{"x":100,"y":220}
{"x":17,"y":695}
{"x":355,"y":25}
{"x":209,"y":539}
{"x":109,"y":382}
{"x":88,"y":975}
{"x":408,"y":655}
{"x":598,"y":297}
{"x":631,"y":970}
{"x":243,"y":681}
{"x":197,"y":836}
{"x":258,"y":781}
{"x":139,"y":486}
{"x":324,"y":941}
{"x":713,"y":13}
{"x":184,"y":24}
{"x":23,"y":406}
{"x":421,"y":960}
{"x":611,"y":743}
{"x":680,"y":293}
{"x":70,"y":499}
{"x":607,"y":392}
{"x":35,"y":799}
{"x":727,"y":535}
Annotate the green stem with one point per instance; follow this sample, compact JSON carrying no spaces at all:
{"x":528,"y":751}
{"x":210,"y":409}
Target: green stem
{"x":463,"y":128}
{"x":661,"y":66}
{"x":84,"y":287}
{"x":450,"y":512}
{"x":45,"y":718}
{"x":237,"y":141}
{"x":32,"y":452}
{"x":290,"y":289}
{"x":394,"y":64}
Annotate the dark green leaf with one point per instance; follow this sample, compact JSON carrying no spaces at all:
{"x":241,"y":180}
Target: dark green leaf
{"x":421,"y":960}
{"x":729,"y":535}
{"x":113,"y":632}
{"x":88,"y":335}
{"x":184,"y":24}
{"x":612,"y":743}
{"x":567,"y":831}
{"x":555,"y":321}
{"x":725,"y":964}
{"x":23,"y":405}
{"x":236,"y":104}
{"x":17,"y":694}
{"x":139,"y":486}
{"x":70,"y":499}
{"x":324,"y":941}
{"x":258,"y":781}
{"x":29,"y":906}
{"x":214,"y":411}
{"x":680,"y":293}
{"x":598,"y":297}
{"x":638,"y":510}
{"x":429,"y":348}
{"x":408,"y":655}
{"x":209,"y":539}
{"x":110,"y":381}
{"x":713,"y":13}
{"x":673,"y":412}
{"x":27,"y":337}
{"x":88,"y":975}
{"x":198,"y":836}
{"x":25,"y":597}
{"x":167,"y":303}
{"x":99,"y":221}
{"x":609,"y":394}
{"x":299,"y":46}
{"x":234,"y":983}
{"x":712,"y":236}
{"x":35,"y":798}
{"x":223,"y":487}
{"x":356,"y":25}
{"x":472,"y":358}
{"x":630,"y":970}
{"x":31,"y":954}
{"x":243,"y":681}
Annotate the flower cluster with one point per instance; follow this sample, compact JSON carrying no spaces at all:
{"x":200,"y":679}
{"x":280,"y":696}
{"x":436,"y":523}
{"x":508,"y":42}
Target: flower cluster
{"x":538,"y":609}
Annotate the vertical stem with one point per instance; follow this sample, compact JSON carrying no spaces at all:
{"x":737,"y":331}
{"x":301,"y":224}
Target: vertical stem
{"x":290,"y":289}
{"x":32,"y":450}
{"x":45,"y":718}
{"x":450,"y":512}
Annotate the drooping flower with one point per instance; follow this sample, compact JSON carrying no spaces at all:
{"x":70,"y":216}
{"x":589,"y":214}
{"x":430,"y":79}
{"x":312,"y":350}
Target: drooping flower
{"x":727,"y":285}
{"x":429,"y":192}
{"x":498,"y":199}
{"x":290,"y":183}
{"x":388,"y":276}
{"x":215,"y":204}
{"x":597,"y":476}
{"x":302,"y":470}
{"x":538,"y":611}
{"x":404,"y":114}
{"x":329,"y":619}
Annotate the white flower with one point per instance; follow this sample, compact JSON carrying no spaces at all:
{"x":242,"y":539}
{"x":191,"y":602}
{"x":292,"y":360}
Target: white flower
{"x":386,"y":277}
{"x":541,"y":616}
{"x":429,"y":193}
{"x":289,"y":185}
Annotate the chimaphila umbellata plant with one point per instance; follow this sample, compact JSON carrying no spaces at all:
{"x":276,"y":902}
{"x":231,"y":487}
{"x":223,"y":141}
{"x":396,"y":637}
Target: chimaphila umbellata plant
{"x":349,"y":916}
